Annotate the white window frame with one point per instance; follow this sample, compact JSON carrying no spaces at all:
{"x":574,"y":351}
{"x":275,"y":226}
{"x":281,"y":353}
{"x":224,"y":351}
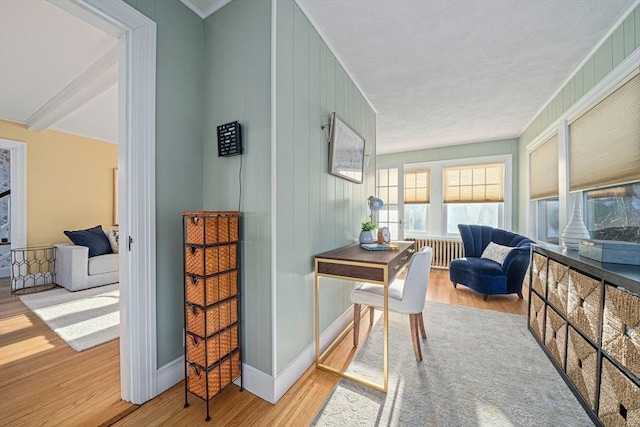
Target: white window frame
{"x":437,"y":208}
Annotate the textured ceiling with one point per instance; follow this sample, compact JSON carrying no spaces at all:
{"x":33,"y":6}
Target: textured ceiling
{"x":450,"y":72}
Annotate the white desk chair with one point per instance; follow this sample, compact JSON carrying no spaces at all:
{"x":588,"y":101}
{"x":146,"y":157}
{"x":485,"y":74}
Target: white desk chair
{"x":405,"y":296}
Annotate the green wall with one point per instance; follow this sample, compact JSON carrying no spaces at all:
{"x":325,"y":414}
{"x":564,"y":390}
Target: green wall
{"x":178,"y":156}
{"x":315,"y":211}
{"x":237,"y":86}
{"x":624,"y":40}
{"x":464,"y":151}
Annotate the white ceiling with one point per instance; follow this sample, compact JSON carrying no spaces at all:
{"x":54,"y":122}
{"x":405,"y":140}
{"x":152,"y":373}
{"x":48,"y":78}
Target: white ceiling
{"x":438,"y":72}
{"x":448,"y":72}
{"x":57,"y":72}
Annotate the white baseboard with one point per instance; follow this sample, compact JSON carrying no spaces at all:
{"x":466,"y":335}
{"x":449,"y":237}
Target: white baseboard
{"x":170,"y":374}
{"x":257,"y":382}
{"x":298,"y":366}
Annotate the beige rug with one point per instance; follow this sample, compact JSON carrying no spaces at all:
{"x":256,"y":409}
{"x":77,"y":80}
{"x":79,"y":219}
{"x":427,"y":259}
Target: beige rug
{"x":83,"y":319}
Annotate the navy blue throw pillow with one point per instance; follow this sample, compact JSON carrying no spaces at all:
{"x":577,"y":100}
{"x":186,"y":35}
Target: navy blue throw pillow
{"x":93,"y":238}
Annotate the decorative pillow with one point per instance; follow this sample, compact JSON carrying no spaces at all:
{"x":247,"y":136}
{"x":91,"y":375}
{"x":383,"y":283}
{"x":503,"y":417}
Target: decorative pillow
{"x":496,"y":252}
{"x":114,"y":240}
{"x":93,"y":238}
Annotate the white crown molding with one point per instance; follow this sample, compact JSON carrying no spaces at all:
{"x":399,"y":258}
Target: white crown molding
{"x":99,"y":77}
{"x":581,"y":64}
{"x":213,"y":7}
{"x":335,"y":53}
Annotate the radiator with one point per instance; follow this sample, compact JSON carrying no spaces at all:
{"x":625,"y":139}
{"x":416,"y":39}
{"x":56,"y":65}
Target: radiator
{"x":444,"y":250}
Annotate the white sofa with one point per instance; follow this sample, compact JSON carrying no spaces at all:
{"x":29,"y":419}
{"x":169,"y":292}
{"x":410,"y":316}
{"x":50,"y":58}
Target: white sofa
{"x":76,"y":271}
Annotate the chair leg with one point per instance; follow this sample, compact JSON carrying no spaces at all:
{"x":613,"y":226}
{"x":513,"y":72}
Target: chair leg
{"x":423,"y":331}
{"x":372,"y":312}
{"x":520,"y":295}
{"x":356,"y":324}
{"x":484,"y":298}
{"x":455,"y":285}
{"x":413,"y":321}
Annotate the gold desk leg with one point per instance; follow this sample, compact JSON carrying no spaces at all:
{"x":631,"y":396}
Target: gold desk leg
{"x":317,"y":317}
{"x":386,"y":338}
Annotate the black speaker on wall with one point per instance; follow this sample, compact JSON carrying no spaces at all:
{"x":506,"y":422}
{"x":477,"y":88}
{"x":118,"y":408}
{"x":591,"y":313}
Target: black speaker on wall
{"x":229,"y":140}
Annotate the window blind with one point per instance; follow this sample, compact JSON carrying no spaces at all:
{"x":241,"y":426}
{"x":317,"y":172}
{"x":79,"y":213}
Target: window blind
{"x":543,"y":179}
{"x":416,"y":186}
{"x":474,"y":184}
{"x":604,"y":143}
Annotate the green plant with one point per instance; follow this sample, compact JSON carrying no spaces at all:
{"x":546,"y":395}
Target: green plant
{"x":368,"y":226}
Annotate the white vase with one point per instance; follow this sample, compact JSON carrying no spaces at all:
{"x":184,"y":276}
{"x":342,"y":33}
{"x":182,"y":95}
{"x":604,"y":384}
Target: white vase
{"x":575,"y":231}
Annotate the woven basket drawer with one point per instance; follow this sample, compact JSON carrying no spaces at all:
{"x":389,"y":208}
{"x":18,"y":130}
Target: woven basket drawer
{"x":558,"y":285}
{"x":211,"y":260}
{"x":216,"y":288}
{"x":555,"y":335}
{"x":619,"y":398}
{"x":582,"y":364}
{"x":218,"y":317}
{"x":216,"y":347}
{"x":205,"y":228}
{"x":539,"y":276}
{"x":621,"y":328}
{"x":536,"y":315}
{"x":219,"y":377}
{"x":583,"y":304}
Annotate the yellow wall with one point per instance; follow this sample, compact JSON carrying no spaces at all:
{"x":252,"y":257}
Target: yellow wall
{"x":69,"y":182}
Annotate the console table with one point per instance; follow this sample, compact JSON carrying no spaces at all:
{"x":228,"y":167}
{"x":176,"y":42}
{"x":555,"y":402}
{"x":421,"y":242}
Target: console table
{"x":354,"y":263}
{"x":586,"y":317}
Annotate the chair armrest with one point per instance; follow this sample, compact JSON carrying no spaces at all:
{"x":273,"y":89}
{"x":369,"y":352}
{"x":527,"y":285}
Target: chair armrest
{"x":515,"y":267}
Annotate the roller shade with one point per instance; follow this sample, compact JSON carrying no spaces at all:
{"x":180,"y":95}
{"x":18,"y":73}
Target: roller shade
{"x":474,"y":184}
{"x":604,"y":143}
{"x":544,"y":170}
{"x":416,"y":186}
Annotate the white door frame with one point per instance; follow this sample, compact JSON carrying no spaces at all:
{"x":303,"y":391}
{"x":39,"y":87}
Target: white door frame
{"x":18,"y":191}
{"x":136,"y":189}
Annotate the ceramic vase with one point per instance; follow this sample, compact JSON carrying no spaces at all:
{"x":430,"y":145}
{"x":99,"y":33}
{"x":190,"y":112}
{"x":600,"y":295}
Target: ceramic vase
{"x":575,"y":231}
{"x":367,"y":236}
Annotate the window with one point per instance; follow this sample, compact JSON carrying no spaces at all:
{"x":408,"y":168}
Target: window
{"x":473,"y":195}
{"x":548,"y":220}
{"x":387,"y":191}
{"x":612,"y":207}
{"x":416,"y":201}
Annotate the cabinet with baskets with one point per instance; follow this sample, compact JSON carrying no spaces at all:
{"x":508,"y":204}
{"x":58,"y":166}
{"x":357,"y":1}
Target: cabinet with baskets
{"x":211,"y":295}
{"x":586,"y":317}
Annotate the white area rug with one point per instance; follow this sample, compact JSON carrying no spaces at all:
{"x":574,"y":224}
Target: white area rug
{"x":83,"y":319}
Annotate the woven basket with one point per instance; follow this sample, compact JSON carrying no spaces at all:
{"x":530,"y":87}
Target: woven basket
{"x":558,"y":284}
{"x":536,"y":316}
{"x":555,"y":336}
{"x":582,"y":364}
{"x":539,"y":276}
{"x":216,"y":347}
{"x":583,"y":304}
{"x":207,"y":228}
{"x":219,"y":377}
{"x":211,"y":260}
{"x":619,"y":398}
{"x":218,"y":317}
{"x":621,"y":328}
{"x":216,"y":288}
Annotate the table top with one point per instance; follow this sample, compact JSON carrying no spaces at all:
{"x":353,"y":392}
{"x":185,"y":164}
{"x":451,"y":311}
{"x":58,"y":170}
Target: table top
{"x":356,"y":253}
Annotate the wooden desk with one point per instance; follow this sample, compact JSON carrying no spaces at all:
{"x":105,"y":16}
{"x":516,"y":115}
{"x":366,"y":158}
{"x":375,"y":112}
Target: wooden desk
{"x":356,"y":264}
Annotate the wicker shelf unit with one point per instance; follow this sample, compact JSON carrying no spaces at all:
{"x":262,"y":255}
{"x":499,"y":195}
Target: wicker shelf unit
{"x":586,"y":317}
{"x":211,"y":303}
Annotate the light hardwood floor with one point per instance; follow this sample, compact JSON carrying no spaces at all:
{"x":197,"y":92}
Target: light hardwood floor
{"x":45,"y":382}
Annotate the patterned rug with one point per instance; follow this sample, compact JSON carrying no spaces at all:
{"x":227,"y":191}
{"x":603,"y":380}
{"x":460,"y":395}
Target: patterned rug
{"x":479,"y":368}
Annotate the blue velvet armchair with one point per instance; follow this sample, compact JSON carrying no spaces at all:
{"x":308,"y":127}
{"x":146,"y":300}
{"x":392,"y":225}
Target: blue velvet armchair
{"x":486,"y":276}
